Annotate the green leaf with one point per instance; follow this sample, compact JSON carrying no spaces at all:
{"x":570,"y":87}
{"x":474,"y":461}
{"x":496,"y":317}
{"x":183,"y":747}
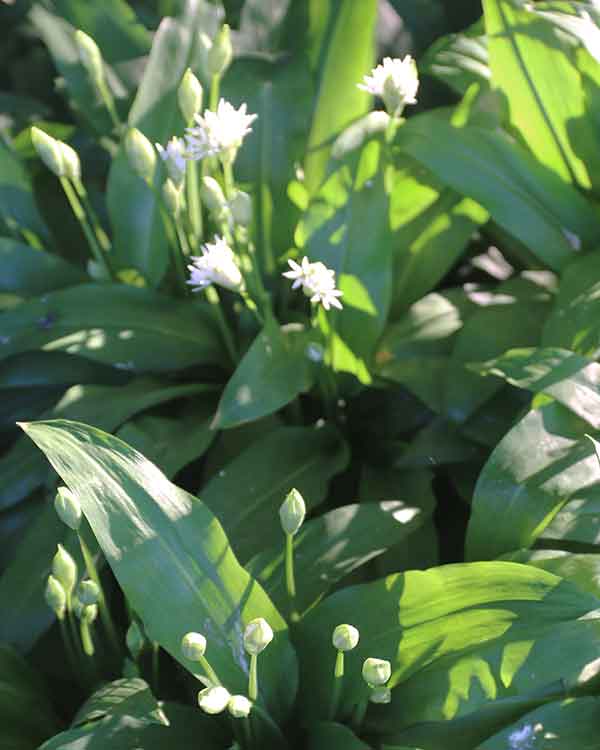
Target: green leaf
{"x":247,"y":492}
{"x":28,"y":272}
{"x":352,"y":27}
{"x":459,"y":637}
{"x":125,"y":697}
{"x":333,"y":545}
{"x":532,"y":67}
{"x":37,"y":369}
{"x":459,"y":59}
{"x":330,"y":736}
{"x":572,"y":724}
{"x":134,"y":329}
{"x":582,"y":570}
{"x":275,"y":369}
{"x":541,"y":464}
{"x":534,"y":204}
{"x":570,"y":378}
{"x":191,"y":580}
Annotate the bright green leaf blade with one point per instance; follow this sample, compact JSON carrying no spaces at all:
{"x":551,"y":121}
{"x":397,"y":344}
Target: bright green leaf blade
{"x":28,"y":272}
{"x":134,"y":329}
{"x":125,"y":697}
{"x":459,"y":637}
{"x":19,"y":214}
{"x":247,"y":493}
{"x":459,"y":59}
{"x":275,"y":369}
{"x":333,"y":545}
{"x":582,"y":570}
{"x":571,"y":379}
{"x":192,"y":580}
{"x":541,"y":464}
{"x":330,"y":736}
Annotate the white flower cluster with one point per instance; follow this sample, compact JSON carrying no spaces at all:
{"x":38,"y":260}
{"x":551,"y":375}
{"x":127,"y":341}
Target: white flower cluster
{"x":216,"y":265}
{"x":219,"y":133}
{"x":173,"y":156}
{"x":395,"y":81}
{"x":317,"y":282}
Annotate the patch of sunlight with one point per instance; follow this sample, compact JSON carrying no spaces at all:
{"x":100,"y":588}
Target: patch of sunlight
{"x":468,"y":678}
{"x":356,"y":295}
{"x":514,"y":656}
{"x":337,"y":237}
{"x":399,"y":511}
{"x":590,"y":671}
{"x":243,"y":395}
{"x":126,"y":335}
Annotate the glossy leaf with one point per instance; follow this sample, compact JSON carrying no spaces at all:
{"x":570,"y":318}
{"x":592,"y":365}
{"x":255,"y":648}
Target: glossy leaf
{"x":582,"y":570}
{"x":19,"y":213}
{"x":459,"y":637}
{"x":331,"y":736}
{"x":192,"y":580}
{"x":28,"y":272}
{"x":38,"y":369}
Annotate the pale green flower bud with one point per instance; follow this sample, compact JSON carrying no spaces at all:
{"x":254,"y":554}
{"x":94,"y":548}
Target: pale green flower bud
{"x":292,"y":512}
{"x":345,"y":637}
{"x":193,"y":646}
{"x":214,"y":700}
{"x":49,"y":151}
{"x":241,"y":208}
{"x":71,"y":161}
{"x":381,"y":695}
{"x":141,"y":154}
{"x":64,"y":569}
{"x":172,"y":197}
{"x":376,"y":672}
{"x":56,"y":597}
{"x":212,"y":195}
{"x":239,"y":706}
{"x":90,"y":56}
{"x":135,"y":640}
{"x":88,"y":592}
{"x":89,"y":613}
{"x":257,"y":636}
{"x":68,"y":508}
{"x":221,"y":53}
{"x":189,"y":96}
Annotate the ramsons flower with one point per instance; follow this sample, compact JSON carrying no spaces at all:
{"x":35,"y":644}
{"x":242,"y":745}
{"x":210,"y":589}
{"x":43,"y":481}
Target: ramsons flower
{"x":317,"y":282}
{"x":396,"y":81}
{"x":173,"y":155}
{"x":219,"y":133}
{"x":216,"y":265}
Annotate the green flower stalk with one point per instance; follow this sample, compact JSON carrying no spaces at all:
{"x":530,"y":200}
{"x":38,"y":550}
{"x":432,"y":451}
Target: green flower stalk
{"x":257,"y":636}
{"x":91,"y":59}
{"x":291,"y":514}
{"x":344,"y":638}
{"x":87,"y":617}
{"x":193,"y":648}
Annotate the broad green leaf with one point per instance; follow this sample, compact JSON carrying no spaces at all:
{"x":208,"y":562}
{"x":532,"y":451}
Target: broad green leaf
{"x":37,"y":369}
{"x":274,"y":371}
{"x":544,"y":462}
{"x":535,"y":205}
{"x":330,"y":736}
{"x":247,"y":493}
{"x":440,"y":442}
{"x":570,"y":378}
{"x":582,"y":570}
{"x":333,"y":545}
{"x":134,"y":329}
{"x":459,"y":59}
{"x":19,"y":214}
{"x":192,"y":579}
{"x":459,"y":638}
{"x":533,"y":69}
{"x":125,"y":697}
{"x":339,"y":101}
{"x":576,"y":525}
{"x":28,"y":272}
{"x":571,"y":724}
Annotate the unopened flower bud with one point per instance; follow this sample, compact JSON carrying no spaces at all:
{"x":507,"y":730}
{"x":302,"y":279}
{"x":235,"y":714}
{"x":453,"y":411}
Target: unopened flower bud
{"x":189,"y":96}
{"x":90,"y":56}
{"x":68,"y":508}
{"x":64,"y":569}
{"x":214,"y":700}
{"x":89,"y":613}
{"x":135,"y":640}
{"x":239,"y":706}
{"x":257,"y":636}
{"x":56,"y":597}
{"x":381,"y":695}
{"x":220,"y":53}
{"x":241,"y":208}
{"x":345,"y":637}
{"x":71,"y":163}
{"x":193,"y":646}
{"x":88,"y":592}
{"x":172,"y":197}
{"x":49,"y":151}
{"x":212,"y":195}
{"x":141,"y":155}
{"x":292,"y":512}
{"x":376,"y":672}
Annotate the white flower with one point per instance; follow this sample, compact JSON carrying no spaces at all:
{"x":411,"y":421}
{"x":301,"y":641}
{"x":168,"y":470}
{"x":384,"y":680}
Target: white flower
{"x":214,"y":700}
{"x":174,"y":158}
{"x":220,"y":132}
{"x":396,"y":81}
{"x":317,"y":282}
{"x":216,"y":265}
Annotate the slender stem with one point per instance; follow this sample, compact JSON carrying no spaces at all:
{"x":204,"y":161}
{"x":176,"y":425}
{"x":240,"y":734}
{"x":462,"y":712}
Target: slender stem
{"x":86,"y":637}
{"x":101,"y":235}
{"x":71,"y":656}
{"x":81,"y":217}
{"x":214,"y":93}
{"x":193,"y":201}
{"x":338,"y":676}
{"x":229,"y":182}
{"x":210,"y":672}
{"x":253,"y":678}
{"x":212,"y":295}
{"x":155,"y":667}
{"x":359,"y":713}
{"x":109,"y":103}
{"x":290,"y":581}
{"x":103,"y":609}
{"x":247,"y":732}
{"x":179,"y":253}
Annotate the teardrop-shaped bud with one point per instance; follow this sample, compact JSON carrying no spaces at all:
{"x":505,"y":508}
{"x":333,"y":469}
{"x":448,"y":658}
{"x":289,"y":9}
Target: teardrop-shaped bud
{"x":68,"y":508}
{"x":189,"y":96}
{"x":49,"y":151}
{"x":56,"y":597}
{"x":257,"y":635}
{"x":292,"y":512}
{"x":64,"y":569}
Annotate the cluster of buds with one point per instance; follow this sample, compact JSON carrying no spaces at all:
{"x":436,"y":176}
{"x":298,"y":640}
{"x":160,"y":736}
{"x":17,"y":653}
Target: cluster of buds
{"x":376,"y":673}
{"x":59,"y":157}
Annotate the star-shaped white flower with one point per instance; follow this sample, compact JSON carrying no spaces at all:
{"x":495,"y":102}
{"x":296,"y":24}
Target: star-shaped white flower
{"x":221,"y":132}
{"x":317,"y":282}
{"x":396,"y":81}
{"x":173,"y":156}
{"x":216,"y":265}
